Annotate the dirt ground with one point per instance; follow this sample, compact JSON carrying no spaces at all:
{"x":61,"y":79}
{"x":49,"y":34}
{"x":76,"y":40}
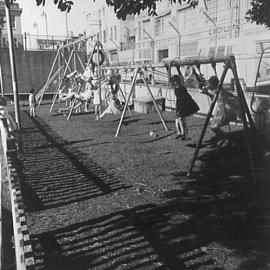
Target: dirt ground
{"x":94,"y":201}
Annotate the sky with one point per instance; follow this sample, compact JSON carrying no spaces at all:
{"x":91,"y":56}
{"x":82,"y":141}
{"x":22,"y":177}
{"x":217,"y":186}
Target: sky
{"x":55,"y":18}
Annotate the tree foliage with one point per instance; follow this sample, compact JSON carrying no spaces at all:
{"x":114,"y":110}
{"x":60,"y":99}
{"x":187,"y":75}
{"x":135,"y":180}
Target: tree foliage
{"x":259,"y":12}
{"x":123,"y":7}
{"x":63,"y":5}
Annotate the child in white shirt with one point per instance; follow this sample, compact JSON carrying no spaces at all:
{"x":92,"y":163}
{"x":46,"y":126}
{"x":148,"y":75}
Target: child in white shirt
{"x":32,"y":103}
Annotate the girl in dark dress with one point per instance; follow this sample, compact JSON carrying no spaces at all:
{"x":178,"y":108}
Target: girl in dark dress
{"x":185,"y":106}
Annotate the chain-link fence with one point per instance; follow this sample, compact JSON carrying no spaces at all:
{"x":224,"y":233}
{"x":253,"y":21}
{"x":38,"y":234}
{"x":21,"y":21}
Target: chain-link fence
{"x":31,"y":42}
{"x":46,"y":42}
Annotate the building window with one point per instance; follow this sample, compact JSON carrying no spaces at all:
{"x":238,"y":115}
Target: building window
{"x":2,"y":21}
{"x":115,"y":33}
{"x":211,"y":52}
{"x":146,"y":28}
{"x":221,"y":51}
{"x":163,"y":54}
{"x":111,"y":33}
{"x":162,"y":24}
{"x":139,"y":31}
{"x":268,"y":72}
{"x":147,"y":53}
{"x":260,"y":46}
{"x":103,"y":13}
{"x":104,"y":36}
{"x":158,"y":27}
{"x":13,"y":22}
{"x":229,"y":50}
{"x":189,"y":49}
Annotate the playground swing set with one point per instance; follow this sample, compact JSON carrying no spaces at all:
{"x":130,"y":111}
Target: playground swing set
{"x":69,"y":72}
{"x":229,"y":64}
{"x":193,"y":65}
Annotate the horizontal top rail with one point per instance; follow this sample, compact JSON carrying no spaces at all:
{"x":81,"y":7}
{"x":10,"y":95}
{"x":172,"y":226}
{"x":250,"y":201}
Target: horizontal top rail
{"x":177,"y":62}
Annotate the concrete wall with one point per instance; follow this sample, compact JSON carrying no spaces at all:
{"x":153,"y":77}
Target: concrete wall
{"x":32,"y":67}
{"x":202,"y":100}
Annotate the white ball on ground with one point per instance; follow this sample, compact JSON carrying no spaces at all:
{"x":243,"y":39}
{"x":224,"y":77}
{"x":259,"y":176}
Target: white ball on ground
{"x":152,"y":134}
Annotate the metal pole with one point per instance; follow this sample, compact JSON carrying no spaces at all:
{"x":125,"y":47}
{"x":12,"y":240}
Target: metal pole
{"x":116,"y":48}
{"x":13,"y":65}
{"x":213,"y":22}
{"x":153,"y":44}
{"x":50,"y":73}
{"x":47,"y":30}
{"x":25,"y":41}
{"x":209,"y":114}
{"x":99,"y":82}
{"x":59,"y":86}
{"x":155,"y":104}
{"x":30,"y":46}
{"x":1,"y":81}
{"x":67,"y":25}
{"x":126,"y":104}
{"x":179,"y":37}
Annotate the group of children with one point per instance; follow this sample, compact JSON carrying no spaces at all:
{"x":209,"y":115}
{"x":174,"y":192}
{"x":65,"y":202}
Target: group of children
{"x":96,"y":90}
{"x":226,"y":110}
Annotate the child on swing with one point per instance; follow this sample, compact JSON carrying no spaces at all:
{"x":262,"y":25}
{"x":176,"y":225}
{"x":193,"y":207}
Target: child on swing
{"x":185,"y":106}
{"x":227,"y":108}
{"x":113,"y":101}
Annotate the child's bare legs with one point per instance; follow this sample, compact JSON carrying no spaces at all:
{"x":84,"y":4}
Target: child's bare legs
{"x":32,"y":111}
{"x":183,"y":127}
{"x":86,"y":106}
{"x":97,"y":111}
{"x":177,"y":126}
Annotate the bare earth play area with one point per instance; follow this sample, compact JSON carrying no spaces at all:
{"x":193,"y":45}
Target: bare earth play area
{"x":94,"y":201}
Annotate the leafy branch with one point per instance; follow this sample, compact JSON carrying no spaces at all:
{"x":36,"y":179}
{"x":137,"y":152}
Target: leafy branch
{"x":63,"y":5}
{"x":123,"y":8}
{"x":259,"y":12}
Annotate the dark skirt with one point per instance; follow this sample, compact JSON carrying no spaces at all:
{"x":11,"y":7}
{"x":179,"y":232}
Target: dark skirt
{"x":185,"y":105}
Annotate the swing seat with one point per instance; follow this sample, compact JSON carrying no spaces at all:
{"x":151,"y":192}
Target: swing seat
{"x":146,"y":104}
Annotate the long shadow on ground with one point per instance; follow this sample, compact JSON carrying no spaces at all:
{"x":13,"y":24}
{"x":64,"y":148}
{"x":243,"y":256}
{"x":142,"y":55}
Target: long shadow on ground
{"x":53,"y":176}
{"x":216,"y":220}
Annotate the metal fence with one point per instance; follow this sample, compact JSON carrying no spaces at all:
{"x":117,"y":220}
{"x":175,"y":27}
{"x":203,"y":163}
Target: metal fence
{"x":31,"y":42}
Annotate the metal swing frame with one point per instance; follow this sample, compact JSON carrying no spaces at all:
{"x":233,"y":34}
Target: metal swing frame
{"x":229,"y":63}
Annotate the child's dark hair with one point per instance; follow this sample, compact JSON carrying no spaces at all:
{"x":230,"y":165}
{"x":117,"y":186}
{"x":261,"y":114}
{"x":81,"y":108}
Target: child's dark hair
{"x":32,"y":91}
{"x":214,"y":81}
{"x":176,"y":79}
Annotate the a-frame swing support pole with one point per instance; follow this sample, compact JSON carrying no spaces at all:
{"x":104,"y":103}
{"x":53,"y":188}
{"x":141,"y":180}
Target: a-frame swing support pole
{"x":74,"y":103}
{"x":79,"y":58}
{"x":99,"y":82}
{"x":49,"y":76}
{"x":209,"y":114}
{"x":126,"y":104}
{"x":122,"y":93}
{"x":66,"y":62}
{"x":63,"y":74}
{"x":79,"y":89}
{"x":155,"y":104}
{"x":244,"y":111}
{"x":59,"y":86}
